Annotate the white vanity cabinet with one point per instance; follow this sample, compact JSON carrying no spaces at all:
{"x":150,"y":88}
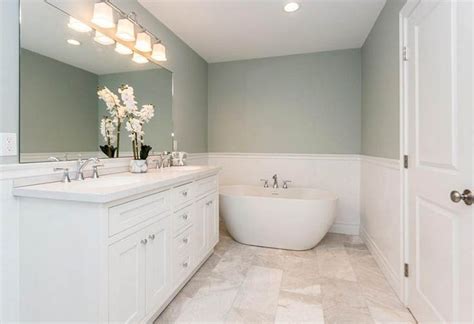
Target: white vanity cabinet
{"x":119,"y":261}
{"x":139,"y":272}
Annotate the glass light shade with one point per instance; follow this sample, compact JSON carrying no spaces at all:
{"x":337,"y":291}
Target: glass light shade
{"x":140,"y":59}
{"x":143,"y":42}
{"x":125,"y":30}
{"x":121,"y":49}
{"x":103,"y":15}
{"x":102,"y":39}
{"x":78,"y":25}
{"x":159,"y":52}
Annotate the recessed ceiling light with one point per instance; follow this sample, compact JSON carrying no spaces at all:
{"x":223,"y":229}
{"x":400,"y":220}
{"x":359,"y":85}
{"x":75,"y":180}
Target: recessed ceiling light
{"x":291,"y":7}
{"x":73,"y":42}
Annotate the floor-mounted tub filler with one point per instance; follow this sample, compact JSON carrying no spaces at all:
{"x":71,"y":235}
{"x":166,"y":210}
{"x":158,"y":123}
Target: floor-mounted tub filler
{"x":292,"y":219}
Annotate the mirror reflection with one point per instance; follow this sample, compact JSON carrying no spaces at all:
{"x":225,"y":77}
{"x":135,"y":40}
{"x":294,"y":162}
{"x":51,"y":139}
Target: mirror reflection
{"x":62,"y":70}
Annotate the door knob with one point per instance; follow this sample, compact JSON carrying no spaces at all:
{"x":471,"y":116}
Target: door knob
{"x":466,"y":196}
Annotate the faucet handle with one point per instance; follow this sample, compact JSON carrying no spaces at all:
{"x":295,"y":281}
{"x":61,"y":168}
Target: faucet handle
{"x":95,"y":171}
{"x":285,"y":183}
{"x":66,"y":177}
{"x":265,"y":183}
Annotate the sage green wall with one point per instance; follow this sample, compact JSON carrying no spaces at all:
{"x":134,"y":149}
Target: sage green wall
{"x":151,"y":87}
{"x":380,"y":85}
{"x":308,"y":103}
{"x":58,"y":106}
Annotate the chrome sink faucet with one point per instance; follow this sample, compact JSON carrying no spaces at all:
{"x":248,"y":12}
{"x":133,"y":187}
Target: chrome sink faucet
{"x":275,"y":181}
{"x":81,"y":164}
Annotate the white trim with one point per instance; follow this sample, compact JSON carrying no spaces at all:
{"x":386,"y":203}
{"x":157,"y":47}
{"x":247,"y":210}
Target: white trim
{"x":382,"y":262}
{"x":345,"y":157}
{"x":345,"y":228}
{"x":383,"y":162}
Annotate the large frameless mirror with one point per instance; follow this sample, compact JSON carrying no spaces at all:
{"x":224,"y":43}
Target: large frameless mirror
{"x":62,"y":66}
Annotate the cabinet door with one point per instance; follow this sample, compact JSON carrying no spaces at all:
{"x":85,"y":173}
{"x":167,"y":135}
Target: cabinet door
{"x":127,"y":279}
{"x":158,"y":263}
{"x":212,"y":220}
{"x":200,"y":229}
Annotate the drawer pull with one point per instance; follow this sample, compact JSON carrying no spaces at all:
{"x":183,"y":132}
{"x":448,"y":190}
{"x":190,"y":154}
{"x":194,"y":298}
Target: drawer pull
{"x":209,"y":203}
{"x":151,"y":237}
{"x":185,"y":240}
{"x":144,"y":241}
{"x":185,"y":216}
{"x":185,"y":264}
{"x":184,"y":193}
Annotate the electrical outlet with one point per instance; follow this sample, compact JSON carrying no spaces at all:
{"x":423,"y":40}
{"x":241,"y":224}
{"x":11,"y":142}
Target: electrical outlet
{"x":8,"y":144}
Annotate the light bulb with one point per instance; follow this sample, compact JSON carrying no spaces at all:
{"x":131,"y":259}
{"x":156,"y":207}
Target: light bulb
{"x":78,"y":25}
{"x":73,"y":42}
{"x":143,"y":42}
{"x":140,"y":59}
{"x":159,"y":52}
{"x":121,"y":49}
{"x":103,"y":15}
{"x":125,"y":30}
{"x":291,"y":7}
{"x":102,"y":39}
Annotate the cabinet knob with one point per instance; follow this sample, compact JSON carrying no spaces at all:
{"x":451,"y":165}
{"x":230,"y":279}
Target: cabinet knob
{"x":144,"y":241}
{"x":151,"y":237}
{"x":185,"y":264}
{"x":184,"y":193}
{"x":185,"y":240}
{"x":185,"y":216}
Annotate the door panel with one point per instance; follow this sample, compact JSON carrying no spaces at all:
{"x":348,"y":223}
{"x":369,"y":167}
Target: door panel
{"x":200,"y":228}
{"x":127,"y":280}
{"x":438,"y":82}
{"x":213,"y":220}
{"x":158,"y":263}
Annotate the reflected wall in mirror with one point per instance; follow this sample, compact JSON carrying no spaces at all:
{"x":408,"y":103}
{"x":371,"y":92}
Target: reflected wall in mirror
{"x":60,"y":72}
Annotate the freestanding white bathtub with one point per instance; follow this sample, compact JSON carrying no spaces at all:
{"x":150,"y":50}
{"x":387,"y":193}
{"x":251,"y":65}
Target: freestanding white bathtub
{"x":292,"y":219}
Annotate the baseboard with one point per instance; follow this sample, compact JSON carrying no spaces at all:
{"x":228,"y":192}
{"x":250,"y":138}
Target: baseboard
{"x":342,"y":228}
{"x":391,"y":275}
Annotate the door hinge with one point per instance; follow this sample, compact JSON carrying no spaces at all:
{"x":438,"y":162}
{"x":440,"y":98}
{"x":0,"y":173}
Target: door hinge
{"x":405,"y":161}
{"x":406,"y":270}
{"x":405,"y":53}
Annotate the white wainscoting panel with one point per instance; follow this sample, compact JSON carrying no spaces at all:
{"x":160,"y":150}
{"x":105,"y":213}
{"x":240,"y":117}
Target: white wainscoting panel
{"x":381,"y":221}
{"x":338,"y":173}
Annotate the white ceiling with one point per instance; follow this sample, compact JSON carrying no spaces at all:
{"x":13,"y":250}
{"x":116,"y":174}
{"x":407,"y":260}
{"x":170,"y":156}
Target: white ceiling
{"x":227,"y":30}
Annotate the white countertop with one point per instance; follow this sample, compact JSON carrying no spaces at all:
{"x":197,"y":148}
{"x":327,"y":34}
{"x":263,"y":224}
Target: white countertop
{"x":116,"y":186}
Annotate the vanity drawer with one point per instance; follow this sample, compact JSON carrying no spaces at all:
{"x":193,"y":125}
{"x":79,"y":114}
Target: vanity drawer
{"x":182,"y":218}
{"x":206,"y":185}
{"x":134,"y":212}
{"x":182,"y":243}
{"x":182,"y":194}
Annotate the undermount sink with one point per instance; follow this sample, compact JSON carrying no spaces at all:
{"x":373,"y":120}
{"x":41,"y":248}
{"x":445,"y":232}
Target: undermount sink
{"x":109,"y":182}
{"x":186,"y":168}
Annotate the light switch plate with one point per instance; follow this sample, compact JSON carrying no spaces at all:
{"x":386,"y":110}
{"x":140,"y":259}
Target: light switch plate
{"x":8,"y":144}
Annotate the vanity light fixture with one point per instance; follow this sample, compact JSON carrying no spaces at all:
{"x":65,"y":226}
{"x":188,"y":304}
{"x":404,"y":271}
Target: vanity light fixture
{"x":102,"y":39}
{"x":73,"y":42}
{"x":103,"y":15}
{"x":143,"y":42}
{"x":78,"y":25}
{"x":125,"y":30}
{"x":123,"y":50}
{"x":159,"y":52}
{"x":291,"y":7}
{"x":140,"y":59}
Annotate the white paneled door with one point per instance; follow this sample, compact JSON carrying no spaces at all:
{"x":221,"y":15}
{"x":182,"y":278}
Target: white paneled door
{"x":439,"y":109}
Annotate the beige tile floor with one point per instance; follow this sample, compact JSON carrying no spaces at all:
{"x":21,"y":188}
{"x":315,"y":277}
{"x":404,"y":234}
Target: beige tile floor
{"x":336,"y":282}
